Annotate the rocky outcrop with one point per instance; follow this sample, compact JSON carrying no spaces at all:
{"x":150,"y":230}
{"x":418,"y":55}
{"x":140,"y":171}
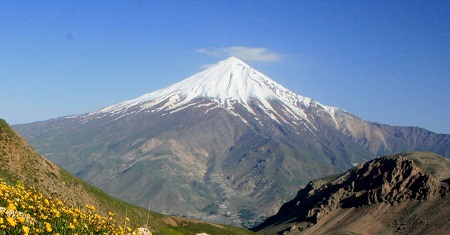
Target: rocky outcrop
{"x":389,"y":179}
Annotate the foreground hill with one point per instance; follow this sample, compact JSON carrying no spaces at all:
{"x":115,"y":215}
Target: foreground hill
{"x":18,"y":161}
{"x":227,"y":144}
{"x":404,"y":193}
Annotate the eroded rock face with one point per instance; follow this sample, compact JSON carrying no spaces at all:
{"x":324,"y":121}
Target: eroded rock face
{"x":385,"y":179}
{"x":390,"y":180}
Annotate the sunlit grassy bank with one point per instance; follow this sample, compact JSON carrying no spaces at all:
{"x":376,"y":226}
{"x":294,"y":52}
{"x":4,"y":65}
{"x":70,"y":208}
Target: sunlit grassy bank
{"x":26,"y":211}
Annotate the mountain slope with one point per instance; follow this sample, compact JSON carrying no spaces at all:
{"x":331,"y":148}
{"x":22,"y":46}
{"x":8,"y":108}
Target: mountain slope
{"x":404,"y":193}
{"x":218,"y":145}
{"x":20,"y":162}
{"x":382,"y":139}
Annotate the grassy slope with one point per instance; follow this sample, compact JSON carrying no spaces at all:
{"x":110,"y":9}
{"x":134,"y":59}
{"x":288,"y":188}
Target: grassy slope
{"x":18,"y":161}
{"x":430,"y":163}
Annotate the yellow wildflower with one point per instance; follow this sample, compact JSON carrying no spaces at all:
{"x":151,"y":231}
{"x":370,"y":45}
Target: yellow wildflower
{"x":11,"y":221}
{"x":25,"y":230}
{"x":48,"y":227}
{"x":21,"y":219}
{"x":11,"y":207}
{"x":91,"y":208}
{"x":42,"y":216}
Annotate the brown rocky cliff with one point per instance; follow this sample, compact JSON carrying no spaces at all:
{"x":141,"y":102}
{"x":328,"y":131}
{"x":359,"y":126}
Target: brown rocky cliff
{"x":389,"y":179}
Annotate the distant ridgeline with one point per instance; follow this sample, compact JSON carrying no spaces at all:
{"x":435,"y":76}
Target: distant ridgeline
{"x":221,"y":143}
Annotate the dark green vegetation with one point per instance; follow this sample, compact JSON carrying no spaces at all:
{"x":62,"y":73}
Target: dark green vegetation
{"x":20,"y":162}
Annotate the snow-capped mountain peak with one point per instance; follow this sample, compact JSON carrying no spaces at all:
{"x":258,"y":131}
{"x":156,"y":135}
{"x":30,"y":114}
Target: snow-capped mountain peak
{"x":225,"y":84}
{"x":230,"y":79}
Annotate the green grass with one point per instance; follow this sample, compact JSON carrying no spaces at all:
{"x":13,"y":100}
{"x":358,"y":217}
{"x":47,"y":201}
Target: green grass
{"x":430,"y":163}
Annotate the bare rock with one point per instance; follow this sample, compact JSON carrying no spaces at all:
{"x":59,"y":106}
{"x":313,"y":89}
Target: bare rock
{"x":390,"y":179}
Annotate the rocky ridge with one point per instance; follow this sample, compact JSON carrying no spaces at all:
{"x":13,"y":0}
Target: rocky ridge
{"x":391,"y":180}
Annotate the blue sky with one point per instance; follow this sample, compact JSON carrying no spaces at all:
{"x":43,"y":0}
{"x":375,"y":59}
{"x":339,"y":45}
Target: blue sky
{"x":384,"y":61}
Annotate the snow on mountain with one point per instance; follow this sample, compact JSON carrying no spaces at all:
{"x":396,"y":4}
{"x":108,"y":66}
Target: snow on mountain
{"x":225,"y":84}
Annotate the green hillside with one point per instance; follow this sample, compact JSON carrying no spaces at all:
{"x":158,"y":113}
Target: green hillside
{"x":20,"y":163}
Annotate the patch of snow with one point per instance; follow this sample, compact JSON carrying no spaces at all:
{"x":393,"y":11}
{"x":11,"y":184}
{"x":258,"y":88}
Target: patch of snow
{"x":70,"y":117}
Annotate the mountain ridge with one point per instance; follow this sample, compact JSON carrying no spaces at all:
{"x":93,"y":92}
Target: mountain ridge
{"x":193,"y":156}
{"x":417,"y":179}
